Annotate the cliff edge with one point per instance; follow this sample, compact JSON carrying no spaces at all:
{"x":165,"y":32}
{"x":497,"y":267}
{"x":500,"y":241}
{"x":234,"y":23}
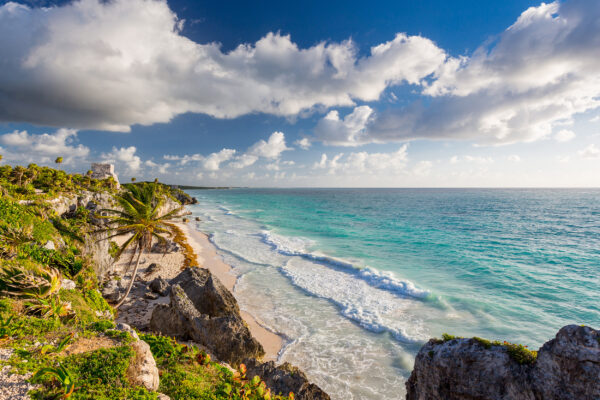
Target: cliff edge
{"x":567,"y":368}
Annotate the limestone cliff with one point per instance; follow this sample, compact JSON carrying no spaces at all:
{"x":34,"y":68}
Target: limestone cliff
{"x":567,"y":368}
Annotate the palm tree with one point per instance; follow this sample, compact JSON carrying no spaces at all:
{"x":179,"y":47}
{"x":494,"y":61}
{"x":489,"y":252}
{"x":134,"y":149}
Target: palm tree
{"x":133,"y":179}
{"x":140,"y":218}
{"x":58,"y":160}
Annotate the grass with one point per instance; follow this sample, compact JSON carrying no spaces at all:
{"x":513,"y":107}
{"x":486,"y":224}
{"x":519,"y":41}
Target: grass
{"x":518,"y":352}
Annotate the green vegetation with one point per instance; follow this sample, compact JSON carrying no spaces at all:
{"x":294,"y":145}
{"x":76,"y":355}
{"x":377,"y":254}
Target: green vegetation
{"x":41,"y":183}
{"x":140,"y":218}
{"x":517,"y":352}
{"x":67,"y":338}
{"x":189,"y":374}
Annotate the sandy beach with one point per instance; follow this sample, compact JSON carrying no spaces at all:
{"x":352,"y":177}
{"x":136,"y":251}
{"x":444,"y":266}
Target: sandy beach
{"x":137,"y":309}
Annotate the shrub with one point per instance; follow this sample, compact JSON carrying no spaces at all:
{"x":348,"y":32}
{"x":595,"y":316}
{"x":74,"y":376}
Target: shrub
{"x":28,"y":280}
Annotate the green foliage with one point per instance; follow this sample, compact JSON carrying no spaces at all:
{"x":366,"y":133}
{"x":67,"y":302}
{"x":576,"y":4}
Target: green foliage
{"x":122,"y":336}
{"x":67,"y":261}
{"x":446,"y":337}
{"x":517,"y":352}
{"x":18,"y":216}
{"x":520,"y":353}
{"x":51,"y":307}
{"x":98,"y":375}
{"x":102,"y":325}
{"x":28,"y":280}
{"x":188,"y":374}
{"x":21,"y":183}
{"x":61,"y":374}
{"x":113,"y":249}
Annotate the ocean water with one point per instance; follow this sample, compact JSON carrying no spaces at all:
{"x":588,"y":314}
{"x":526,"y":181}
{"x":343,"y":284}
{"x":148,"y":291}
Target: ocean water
{"x":356,"y":280}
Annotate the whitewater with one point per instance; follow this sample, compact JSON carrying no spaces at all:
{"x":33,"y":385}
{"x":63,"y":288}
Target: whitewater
{"x":356,"y":280}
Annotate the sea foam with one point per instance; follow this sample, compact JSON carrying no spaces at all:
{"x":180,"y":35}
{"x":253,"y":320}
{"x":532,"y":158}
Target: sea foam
{"x":378,"y":279}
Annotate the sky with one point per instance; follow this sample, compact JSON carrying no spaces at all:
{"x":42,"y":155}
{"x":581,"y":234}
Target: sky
{"x":301,"y":94}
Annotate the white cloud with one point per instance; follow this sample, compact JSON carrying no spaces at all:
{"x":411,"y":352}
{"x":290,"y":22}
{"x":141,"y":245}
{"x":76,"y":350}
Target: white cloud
{"x":161,"y":168}
{"x":564,"y":135}
{"x":595,"y":119}
{"x":363,"y":162}
{"x":514,"y":158}
{"x":423,"y":168}
{"x":108,"y":65}
{"x":590,"y":151}
{"x":243,"y":161}
{"x":350,"y":131}
{"x":271,"y":148}
{"x":44,"y":148}
{"x":471,"y":159}
{"x":124,"y":156}
{"x":563,"y":159}
{"x":214,"y":160}
{"x":303,"y":143}
{"x":535,"y":75}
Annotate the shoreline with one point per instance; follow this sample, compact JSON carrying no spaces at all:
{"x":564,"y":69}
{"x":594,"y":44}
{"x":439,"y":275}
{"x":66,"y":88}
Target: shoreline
{"x":208,"y":258}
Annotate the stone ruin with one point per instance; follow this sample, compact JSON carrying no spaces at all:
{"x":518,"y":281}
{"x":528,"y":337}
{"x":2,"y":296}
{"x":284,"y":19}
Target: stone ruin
{"x":103,"y":171}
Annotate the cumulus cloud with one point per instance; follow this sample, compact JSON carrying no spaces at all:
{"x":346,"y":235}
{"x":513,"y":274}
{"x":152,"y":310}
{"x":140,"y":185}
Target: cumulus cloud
{"x":590,"y":151}
{"x":124,"y":157}
{"x":214,"y":160}
{"x":538,"y":73}
{"x":349,"y":131}
{"x":25,"y":147}
{"x":564,"y":135}
{"x":109,"y":65}
{"x":514,"y":158}
{"x":243,"y":161}
{"x":269,"y":149}
{"x":303,"y":143}
{"x":363,"y":162}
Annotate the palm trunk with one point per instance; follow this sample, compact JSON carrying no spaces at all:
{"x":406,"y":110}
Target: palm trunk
{"x":137,"y":263}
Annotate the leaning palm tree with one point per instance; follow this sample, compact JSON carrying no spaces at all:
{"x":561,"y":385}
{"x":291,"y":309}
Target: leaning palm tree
{"x":140,"y":218}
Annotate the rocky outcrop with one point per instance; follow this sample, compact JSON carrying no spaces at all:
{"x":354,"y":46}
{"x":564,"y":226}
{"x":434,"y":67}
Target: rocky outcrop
{"x":142,"y":370}
{"x":167,"y":246}
{"x":567,"y":368}
{"x":160,"y":286}
{"x":201,"y":309}
{"x":284,"y":379}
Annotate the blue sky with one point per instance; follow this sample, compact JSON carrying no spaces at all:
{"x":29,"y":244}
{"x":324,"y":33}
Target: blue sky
{"x":429,"y":93}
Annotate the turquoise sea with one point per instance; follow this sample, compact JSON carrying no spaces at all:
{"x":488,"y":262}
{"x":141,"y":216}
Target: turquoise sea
{"x":356,"y":280}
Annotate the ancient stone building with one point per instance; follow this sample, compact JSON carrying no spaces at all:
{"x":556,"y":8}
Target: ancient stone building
{"x":103,"y":171}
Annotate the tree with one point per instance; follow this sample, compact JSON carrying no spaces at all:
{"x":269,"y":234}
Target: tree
{"x":140,"y":218}
{"x":132,"y":179}
{"x":58,"y":160}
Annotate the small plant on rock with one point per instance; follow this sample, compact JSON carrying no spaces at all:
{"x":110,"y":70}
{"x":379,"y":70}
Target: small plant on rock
{"x":63,"y":376}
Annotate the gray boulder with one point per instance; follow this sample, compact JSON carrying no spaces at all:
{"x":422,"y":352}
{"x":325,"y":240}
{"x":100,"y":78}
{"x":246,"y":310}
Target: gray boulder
{"x":284,"y":379}
{"x":567,"y":367}
{"x":160,"y":286}
{"x":207,"y":293}
{"x":112,"y":290}
{"x":164,"y":247}
{"x":217,"y":325}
